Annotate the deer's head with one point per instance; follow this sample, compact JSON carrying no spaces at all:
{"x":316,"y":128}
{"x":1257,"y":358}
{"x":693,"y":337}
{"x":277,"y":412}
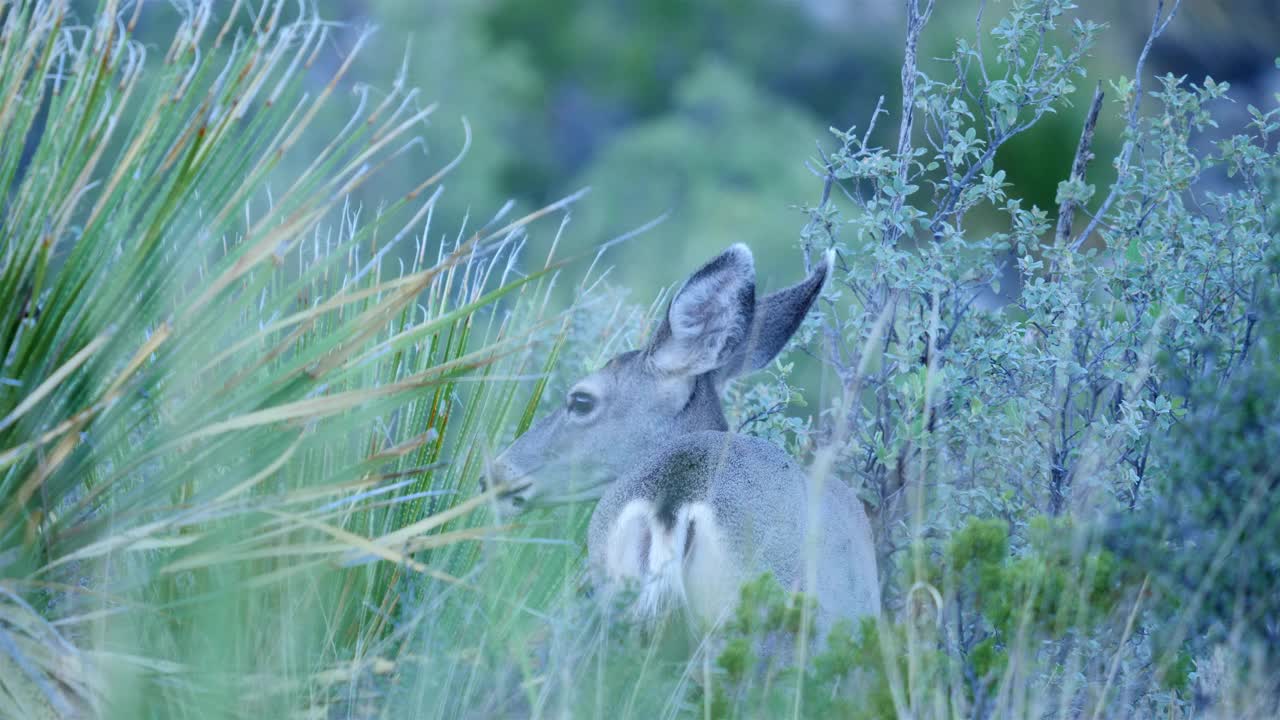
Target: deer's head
{"x":615,"y":418}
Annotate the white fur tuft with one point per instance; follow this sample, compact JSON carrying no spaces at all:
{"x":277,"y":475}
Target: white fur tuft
{"x":630,"y":541}
{"x":640,"y":551}
{"x":710,"y":578}
{"x":669,"y":567}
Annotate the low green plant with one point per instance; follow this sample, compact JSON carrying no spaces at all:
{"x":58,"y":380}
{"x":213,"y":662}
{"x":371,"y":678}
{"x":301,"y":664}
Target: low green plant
{"x":961,"y":648}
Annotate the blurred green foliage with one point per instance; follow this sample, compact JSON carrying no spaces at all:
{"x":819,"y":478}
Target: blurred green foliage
{"x":622,"y":63}
{"x":659,"y":107}
{"x":1211,"y":535}
{"x":705,"y":164}
{"x":633,"y":54}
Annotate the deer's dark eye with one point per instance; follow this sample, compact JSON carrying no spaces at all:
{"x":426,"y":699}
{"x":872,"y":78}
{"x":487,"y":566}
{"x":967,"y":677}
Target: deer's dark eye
{"x":581,"y":403}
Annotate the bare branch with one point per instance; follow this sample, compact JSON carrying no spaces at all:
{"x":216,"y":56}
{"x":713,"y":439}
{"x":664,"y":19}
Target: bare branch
{"x":916,"y":19}
{"x":1158,"y":24}
{"x":1067,"y":210}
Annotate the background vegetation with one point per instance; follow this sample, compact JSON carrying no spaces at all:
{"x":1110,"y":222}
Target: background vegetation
{"x":254,"y":357}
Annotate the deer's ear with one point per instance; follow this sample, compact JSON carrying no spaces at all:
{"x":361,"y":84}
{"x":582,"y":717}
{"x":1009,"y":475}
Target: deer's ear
{"x":776,"y":319}
{"x":709,"y":318}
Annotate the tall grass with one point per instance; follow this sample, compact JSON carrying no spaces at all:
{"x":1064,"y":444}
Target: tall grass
{"x":233,"y":404}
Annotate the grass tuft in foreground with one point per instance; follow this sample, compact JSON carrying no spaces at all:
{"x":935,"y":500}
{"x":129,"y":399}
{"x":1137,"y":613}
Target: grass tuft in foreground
{"x":233,"y":404}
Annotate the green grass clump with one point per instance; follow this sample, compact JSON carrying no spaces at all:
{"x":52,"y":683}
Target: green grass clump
{"x":234,"y":406}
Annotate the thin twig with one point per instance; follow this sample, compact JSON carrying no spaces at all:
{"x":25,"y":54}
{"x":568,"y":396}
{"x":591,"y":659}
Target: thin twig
{"x":1158,"y":24}
{"x":916,"y":19}
{"x":1067,"y":211}
{"x":866,"y":136}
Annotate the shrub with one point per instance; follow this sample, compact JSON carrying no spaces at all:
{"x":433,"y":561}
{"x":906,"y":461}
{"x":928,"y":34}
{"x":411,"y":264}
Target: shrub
{"x":960,"y":397}
{"x":1209,"y":535}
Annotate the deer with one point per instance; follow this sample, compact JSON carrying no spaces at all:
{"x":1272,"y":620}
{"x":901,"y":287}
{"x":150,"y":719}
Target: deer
{"x":688,"y":511}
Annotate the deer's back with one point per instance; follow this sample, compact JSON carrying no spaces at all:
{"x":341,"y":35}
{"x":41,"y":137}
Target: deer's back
{"x":759,"y":497}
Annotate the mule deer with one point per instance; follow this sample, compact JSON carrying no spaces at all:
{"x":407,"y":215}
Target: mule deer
{"x":686,"y":508}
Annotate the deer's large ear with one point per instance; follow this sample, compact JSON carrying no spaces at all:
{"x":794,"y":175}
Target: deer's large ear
{"x":709,"y":318}
{"x":776,"y":319}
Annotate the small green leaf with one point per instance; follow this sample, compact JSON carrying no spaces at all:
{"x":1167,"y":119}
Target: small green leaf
{"x":1133,"y":254}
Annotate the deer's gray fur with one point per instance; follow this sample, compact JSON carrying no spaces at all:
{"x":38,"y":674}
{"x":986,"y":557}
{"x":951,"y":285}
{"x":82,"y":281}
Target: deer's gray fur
{"x":687,"y":509}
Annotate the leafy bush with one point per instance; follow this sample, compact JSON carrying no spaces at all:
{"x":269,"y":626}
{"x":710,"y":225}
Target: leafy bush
{"x":959,"y":398}
{"x":1209,"y":535}
{"x":1001,"y":382}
